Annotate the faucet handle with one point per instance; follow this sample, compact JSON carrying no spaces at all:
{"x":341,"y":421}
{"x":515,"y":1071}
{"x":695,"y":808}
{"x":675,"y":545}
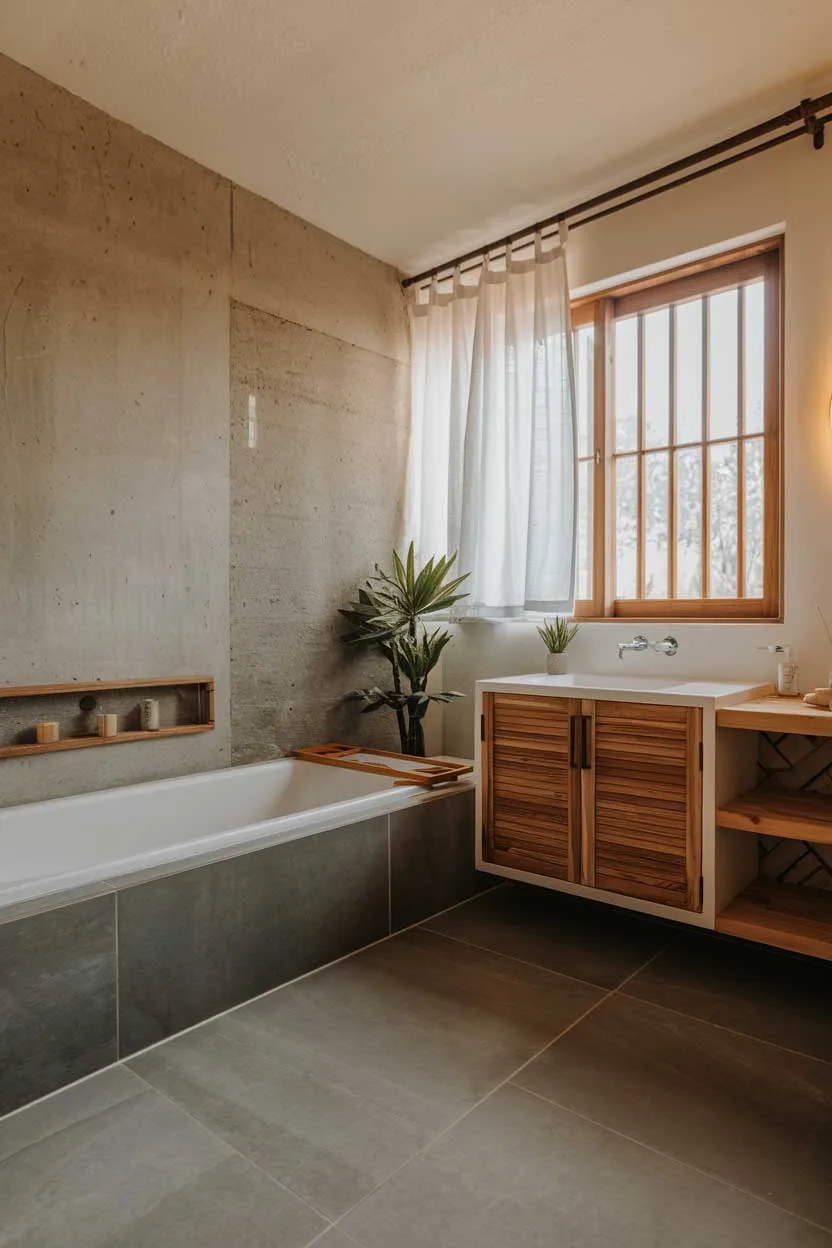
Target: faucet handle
{"x":669,"y":645}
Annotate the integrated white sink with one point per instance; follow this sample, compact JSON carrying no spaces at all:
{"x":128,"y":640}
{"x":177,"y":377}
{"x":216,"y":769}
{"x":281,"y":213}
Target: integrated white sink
{"x":656,"y":689}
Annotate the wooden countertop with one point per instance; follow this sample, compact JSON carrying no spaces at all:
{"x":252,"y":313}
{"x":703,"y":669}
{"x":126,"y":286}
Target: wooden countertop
{"x":776,"y":714}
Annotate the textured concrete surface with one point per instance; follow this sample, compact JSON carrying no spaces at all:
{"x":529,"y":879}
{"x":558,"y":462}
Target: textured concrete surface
{"x":314,"y":505}
{"x":116,"y":269}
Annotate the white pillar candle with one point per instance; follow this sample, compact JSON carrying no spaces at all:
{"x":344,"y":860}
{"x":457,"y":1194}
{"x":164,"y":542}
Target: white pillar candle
{"x":47,"y":731}
{"x":108,"y":725}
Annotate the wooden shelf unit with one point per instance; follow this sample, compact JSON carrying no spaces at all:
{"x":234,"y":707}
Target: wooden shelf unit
{"x":204,"y":686}
{"x":784,"y":915}
{"x":788,"y":813}
{"x":777,"y":714}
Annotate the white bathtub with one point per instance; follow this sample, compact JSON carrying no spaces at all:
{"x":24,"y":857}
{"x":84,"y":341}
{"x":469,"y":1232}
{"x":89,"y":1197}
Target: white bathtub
{"x":49,"y":846}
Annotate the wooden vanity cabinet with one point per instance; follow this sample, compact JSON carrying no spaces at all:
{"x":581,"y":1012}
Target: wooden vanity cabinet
{"x":601,"y":793}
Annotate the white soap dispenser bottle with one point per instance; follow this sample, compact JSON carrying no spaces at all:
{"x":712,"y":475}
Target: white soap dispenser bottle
{"x":788,"y":683}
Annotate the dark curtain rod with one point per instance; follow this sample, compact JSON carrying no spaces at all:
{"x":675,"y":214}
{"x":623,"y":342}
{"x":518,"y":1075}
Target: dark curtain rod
{"x":810,"y":114}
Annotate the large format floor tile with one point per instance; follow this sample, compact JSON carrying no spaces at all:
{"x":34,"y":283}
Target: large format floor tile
{"x":739,"y":1108}
{"x":774,"y":996}
{"x":110,"y":1162}
{"x":520,"y":1171}
{"x":566,"y":934}
{"x":333,"y":1082}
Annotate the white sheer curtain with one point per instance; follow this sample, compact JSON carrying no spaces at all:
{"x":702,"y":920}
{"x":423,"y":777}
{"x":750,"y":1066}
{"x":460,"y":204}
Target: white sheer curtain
{"x":492,"y":469}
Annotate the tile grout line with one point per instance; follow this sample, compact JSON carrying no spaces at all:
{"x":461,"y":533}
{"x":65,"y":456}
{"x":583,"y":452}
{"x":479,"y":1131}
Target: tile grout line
{"x":732,"y":1031}
{"x":621,"y":988}
{"x":535,"y":966}
{"x":151,"y":1087}
{"x":118,"y":976}
{"x":389,"y":876}
{"x":658,"y":1152}
{"x":450,"y":1127}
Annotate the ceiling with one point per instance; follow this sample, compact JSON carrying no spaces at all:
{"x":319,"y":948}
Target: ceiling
{"x":416,"y":130}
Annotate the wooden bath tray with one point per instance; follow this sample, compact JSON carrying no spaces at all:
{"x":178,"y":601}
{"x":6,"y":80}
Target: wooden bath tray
{"x":403,"y":768}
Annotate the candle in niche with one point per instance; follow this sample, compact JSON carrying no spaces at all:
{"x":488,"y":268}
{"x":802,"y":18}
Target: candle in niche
{"x":47,"y":731}
{"x":108,"y":725}
{"x":150,"y":714}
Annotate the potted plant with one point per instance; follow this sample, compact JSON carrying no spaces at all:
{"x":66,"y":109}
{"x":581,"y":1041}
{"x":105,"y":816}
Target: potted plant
{"x":387,"y":614}
{"x":556,"y":635}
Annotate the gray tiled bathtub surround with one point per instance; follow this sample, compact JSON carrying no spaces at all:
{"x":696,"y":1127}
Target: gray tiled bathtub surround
{"x":57,"y":998}
{"x":111,"y":1162}
{"x":195,"y":939}
{"x":196,"y":943}
{"x":432,"y":858}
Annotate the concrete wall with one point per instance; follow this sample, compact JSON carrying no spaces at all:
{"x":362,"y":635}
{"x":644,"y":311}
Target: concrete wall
{"x":314,"y":504}
{"x":118,"y":262}
{"x":790,"y":186}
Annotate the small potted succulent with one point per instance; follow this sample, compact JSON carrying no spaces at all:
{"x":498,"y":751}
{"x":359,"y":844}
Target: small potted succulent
{"x":556,"y":635}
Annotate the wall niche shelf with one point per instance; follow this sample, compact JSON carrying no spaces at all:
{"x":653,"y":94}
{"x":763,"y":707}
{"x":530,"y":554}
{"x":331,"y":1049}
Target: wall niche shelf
{"x":787,"y":916}
{"x":788,"y":807}
{"x":193,"y":695}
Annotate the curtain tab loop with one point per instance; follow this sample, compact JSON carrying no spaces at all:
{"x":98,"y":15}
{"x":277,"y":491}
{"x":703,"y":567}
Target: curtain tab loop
{"x":563,"y":232}
{"x":457,"y":280}
{"x":433,"y":297}
{"x":538,"y":246}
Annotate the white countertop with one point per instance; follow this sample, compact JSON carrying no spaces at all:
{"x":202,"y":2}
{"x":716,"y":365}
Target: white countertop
{"x":658,"y":690}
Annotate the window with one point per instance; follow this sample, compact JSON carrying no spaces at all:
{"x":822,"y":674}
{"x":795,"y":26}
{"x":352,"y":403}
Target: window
{"x":678,"y":402}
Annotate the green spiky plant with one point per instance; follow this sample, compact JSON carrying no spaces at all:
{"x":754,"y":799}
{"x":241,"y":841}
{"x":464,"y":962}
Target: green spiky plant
{"x":556,"y":634}
{"x":387,"y":614}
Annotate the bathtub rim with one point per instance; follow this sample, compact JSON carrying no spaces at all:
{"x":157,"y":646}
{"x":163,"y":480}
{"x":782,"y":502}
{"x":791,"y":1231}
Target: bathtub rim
{"x":247,"y":839}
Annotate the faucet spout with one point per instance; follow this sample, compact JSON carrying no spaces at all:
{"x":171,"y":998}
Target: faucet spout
{"x":638,"y":643}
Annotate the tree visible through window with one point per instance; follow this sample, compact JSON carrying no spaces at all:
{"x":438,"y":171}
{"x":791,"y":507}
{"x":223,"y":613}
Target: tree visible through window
{"x":678,"y":405}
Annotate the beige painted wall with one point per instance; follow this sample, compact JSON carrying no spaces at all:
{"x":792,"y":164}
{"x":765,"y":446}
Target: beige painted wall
{"x":117,"y":270}
{"x":791,"y":186}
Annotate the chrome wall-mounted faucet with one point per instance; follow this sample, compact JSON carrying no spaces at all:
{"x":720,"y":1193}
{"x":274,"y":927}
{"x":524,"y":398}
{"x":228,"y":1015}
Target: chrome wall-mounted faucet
{"x":668,"y":645}
{"x":638,"y":643}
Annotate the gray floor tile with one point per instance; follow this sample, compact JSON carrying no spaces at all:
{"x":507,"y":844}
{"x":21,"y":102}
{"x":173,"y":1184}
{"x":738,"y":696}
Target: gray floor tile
{"x":335,"y":1238}
{"x":775,"y":996}
{"x":586,"y":939}
{"x":736,"y":1107}
{"x":111,"y":1162}
{"x":57,"y":998}
{"x":333,"y":1082}
{"x":520,"y":1171}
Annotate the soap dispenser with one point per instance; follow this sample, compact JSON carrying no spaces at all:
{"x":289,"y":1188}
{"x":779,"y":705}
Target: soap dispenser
{"x":788,"y":685}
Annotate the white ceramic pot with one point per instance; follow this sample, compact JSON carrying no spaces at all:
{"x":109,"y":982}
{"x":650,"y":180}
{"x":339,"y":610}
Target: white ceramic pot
{"x":555,"y":664}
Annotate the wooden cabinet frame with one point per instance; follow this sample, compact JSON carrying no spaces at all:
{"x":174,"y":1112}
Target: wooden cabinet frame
{"x":658,"y":856}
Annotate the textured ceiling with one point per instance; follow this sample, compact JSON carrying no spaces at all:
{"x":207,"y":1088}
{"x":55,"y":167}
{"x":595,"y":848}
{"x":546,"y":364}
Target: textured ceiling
{"x":418,"y":129}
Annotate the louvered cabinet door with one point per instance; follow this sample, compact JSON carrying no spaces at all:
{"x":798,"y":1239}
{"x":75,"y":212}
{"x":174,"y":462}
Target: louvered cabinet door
{"x":531,"y":784}
{"x":642,"y":802}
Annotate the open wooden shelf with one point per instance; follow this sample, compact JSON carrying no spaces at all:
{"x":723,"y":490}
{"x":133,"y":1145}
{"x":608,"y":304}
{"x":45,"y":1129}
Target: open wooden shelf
{"x":784,"y":915}
{"x":776,"y":714}
{"x":203,"y":696}
{"x":83,"y":743}
{"x":780,"y":812}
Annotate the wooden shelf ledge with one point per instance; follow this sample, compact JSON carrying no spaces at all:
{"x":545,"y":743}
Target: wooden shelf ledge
{"x":83,"y":743}
{"x":780,"y":812}
{"x":784,"y":915}
{"x":775,"y":714}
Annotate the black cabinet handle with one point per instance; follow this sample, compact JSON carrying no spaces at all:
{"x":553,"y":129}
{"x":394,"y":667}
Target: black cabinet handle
{"x":585,"y":763}
{"x":573,"y":744}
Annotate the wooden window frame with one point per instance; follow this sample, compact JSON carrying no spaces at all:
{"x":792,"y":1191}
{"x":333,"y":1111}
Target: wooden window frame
{"x":709,"y":276}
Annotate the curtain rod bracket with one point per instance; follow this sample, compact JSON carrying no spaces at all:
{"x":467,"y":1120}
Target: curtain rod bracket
{"x":814,"y":127}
